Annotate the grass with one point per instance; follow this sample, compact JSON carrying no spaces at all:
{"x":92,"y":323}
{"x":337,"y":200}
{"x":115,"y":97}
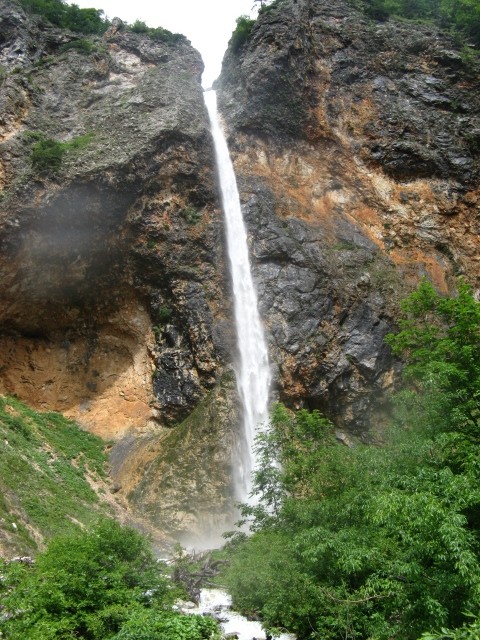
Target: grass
{"x":45,"y":461}
{"x":47,"y":155}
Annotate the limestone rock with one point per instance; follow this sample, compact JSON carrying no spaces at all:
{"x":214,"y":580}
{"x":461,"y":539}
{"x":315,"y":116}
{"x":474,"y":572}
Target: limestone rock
{"x":356,"y":150}
{"x":94,"y":250}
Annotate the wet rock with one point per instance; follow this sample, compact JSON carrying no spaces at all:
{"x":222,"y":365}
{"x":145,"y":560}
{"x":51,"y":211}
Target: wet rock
{"x":182,"y":480}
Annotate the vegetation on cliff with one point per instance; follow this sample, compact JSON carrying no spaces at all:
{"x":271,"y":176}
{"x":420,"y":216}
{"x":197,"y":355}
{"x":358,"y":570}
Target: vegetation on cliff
{"x":70,"y":16}
{"x":462,"y":17}
{"x":48,"y":470}
{"x":47,"y":155}
{"x":97,"y":585}
{"x":157,"y":33}
{"x":376,"y":542}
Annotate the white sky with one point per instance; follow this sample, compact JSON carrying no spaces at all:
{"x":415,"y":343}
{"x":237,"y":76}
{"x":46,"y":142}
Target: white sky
{"x":208,"y":24}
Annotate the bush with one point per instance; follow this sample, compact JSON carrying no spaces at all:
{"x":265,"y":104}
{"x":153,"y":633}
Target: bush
{"x":164,"y":314}
{"x":82,"y":46}
{"x":157,"y":33}
{"x":241,"y":33}
{"x":97,"y":585}
{"x":191,"y":215}
{"x":462,"y":16}
{"x":68,"y":16}
{"x":148,"y":624}
{"x":46,"y":156}
{"x":139,"y":27}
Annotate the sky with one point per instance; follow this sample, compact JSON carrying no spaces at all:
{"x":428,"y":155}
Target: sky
{"x":208,"y":24}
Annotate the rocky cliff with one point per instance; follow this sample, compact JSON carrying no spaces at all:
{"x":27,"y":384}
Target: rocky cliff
{"x":356,"y":148}
{"x":356,"y":145}
{"x":114,"y":292}
{"x":112,"y":267}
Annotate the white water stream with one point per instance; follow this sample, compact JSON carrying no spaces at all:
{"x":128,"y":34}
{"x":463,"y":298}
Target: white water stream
{"x":253,"y":370}
{"x":216,"y":603}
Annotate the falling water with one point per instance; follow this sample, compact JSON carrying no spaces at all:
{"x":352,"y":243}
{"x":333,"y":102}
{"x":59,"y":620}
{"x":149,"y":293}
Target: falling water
{"x":253,"y":371}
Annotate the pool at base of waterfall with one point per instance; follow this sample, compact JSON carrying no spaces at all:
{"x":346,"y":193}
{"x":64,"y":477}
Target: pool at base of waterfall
{"x":217,"y":603}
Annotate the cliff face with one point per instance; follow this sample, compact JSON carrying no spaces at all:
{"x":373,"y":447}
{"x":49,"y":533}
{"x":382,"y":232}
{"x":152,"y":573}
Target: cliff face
{"x":356,"y":150}
{"x":112,"y":300}
{"x":114,"y":295}
{"x":356,"y":144}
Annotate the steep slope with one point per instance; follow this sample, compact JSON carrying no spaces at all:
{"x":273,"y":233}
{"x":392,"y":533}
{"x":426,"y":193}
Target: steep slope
{"x":356,"y":144}
{"x":51,"y":474}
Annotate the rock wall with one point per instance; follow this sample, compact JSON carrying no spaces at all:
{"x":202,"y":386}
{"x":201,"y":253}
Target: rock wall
{"x":356,"y":144}
{"x":112,"y":297}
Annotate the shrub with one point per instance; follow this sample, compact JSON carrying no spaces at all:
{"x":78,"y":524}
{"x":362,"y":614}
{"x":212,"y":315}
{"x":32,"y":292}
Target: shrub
{"x":462,"y":16}
{"x":46,"y":156}
{"x":82,"y":46}
{"x":139,"y":27}
{"x":164,"y":314}
{"x":241,"y":33}
{"x":68,"y":16}
{"x":191,"y":215}
{"x":157,"y":33}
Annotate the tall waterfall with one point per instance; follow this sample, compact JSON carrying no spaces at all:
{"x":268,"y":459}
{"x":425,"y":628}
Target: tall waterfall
{"x":252,"y":371}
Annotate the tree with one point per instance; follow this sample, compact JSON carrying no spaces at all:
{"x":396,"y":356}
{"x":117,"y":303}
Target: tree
{"x":96,"y":585}
{"x":381,"y":542}
{"x":440,"y":339}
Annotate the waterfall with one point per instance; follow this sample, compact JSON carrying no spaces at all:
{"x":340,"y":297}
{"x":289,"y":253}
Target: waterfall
{"x":252,"y":370}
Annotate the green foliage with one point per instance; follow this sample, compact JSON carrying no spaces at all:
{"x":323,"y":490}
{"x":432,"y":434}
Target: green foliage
{"x":78,"y":143}
{"x":191,"y":215}
{"x":148,"y":624}
{"x":100,"y":584}
{"x":465,"y":632}
{"x":139,"y":27}
{"x":82,"y":46}
{"x":241,"y":33}
{"x":45,"y":462}
{"x":157,"y":33}
{"x":266,"y":7}
{"x":47,"y":155}
{"x":368,"y":542}
{"x":164,"y":314}
{"x":68,"y":16}
{"x":463,"y":16}
{"x":440,"y":338}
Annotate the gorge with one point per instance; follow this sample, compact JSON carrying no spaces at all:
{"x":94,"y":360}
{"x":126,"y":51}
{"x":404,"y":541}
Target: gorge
{"x":356,"y":148}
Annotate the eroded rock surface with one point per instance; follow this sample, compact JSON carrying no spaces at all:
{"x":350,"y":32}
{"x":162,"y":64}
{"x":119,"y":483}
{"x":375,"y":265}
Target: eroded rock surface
{"x":356,"y":147}
{"x":182,"y":481}
{"x":111,"y":300}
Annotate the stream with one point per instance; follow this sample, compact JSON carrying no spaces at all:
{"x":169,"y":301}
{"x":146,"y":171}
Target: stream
{"x":217,"y":603}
